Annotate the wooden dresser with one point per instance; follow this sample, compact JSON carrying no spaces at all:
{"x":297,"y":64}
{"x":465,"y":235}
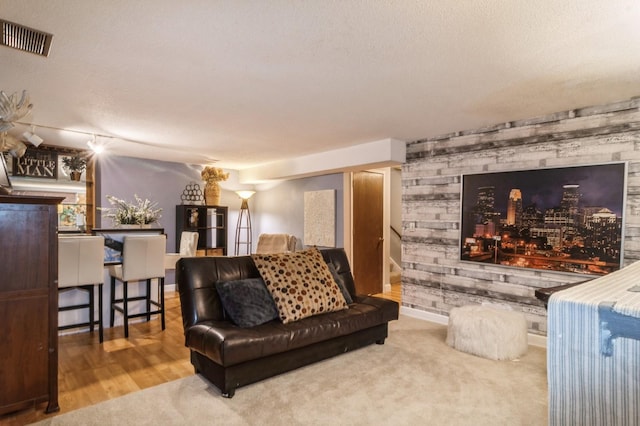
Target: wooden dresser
{"x":28,"y":302}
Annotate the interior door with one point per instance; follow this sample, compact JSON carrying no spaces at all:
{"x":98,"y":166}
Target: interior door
{"x":368,"y":190}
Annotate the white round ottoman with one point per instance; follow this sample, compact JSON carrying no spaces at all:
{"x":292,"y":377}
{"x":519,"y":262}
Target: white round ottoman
{"x":487,"y":332}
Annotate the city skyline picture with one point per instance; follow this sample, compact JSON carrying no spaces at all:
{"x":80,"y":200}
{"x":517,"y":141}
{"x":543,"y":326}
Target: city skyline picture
{"x":567,"y":219}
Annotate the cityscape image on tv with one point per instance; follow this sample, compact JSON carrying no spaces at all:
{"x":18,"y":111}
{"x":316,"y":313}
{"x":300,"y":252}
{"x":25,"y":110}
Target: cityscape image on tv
{"x":566,"y":219}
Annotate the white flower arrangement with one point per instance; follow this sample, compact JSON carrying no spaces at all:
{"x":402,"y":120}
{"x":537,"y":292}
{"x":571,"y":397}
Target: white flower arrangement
{"x":125,"y":213}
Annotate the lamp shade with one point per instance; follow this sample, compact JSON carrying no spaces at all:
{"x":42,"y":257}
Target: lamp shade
{"x":245,"y":195}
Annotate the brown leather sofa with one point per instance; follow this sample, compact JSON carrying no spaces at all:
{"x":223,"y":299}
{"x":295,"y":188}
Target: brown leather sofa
{"x":230,"y":356}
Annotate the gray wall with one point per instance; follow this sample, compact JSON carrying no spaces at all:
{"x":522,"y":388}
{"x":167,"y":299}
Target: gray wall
{"x":280,"y":207}
{"x":159,"y":181}
{"x":434,"y":280}
{"x":276,"y":208}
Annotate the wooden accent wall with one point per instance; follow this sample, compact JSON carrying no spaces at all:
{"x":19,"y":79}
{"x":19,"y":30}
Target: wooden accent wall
{"x":433,"y":279}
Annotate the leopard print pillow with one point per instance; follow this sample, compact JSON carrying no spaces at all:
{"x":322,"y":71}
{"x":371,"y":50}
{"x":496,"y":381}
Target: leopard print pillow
{"x":300,"y":283}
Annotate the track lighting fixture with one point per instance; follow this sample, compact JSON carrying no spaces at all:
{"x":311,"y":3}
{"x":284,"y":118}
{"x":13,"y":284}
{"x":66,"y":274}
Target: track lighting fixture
{"x":31,"y":137}
{"x":94,"y":146}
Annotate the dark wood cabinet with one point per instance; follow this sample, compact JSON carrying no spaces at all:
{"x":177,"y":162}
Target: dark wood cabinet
{"x":28,"y":302}
{"x":210,"y":222}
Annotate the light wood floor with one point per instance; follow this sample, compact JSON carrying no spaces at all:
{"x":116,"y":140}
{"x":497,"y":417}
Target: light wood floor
{"x":90,"y":373}
{"x":394,"y":294}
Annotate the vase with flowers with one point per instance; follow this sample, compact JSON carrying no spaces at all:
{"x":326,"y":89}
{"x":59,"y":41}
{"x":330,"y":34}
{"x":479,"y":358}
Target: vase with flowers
{"x":211,"y":176}
{"x":140,"y":213}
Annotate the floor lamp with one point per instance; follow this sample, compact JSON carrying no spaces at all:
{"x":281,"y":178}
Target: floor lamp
{"x":243,"y":227}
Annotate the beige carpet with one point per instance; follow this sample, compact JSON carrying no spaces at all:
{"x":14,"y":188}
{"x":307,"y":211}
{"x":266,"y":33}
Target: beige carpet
{"x":414,"y":378}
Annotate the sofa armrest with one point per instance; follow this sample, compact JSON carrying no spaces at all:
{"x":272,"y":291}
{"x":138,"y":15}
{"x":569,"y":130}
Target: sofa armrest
{"x":389,"y":308}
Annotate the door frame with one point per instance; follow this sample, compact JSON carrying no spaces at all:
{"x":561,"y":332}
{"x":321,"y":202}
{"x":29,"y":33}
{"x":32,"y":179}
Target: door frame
{"x":347,"y":185}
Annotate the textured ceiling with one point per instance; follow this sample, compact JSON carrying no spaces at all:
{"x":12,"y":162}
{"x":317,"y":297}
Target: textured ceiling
{"x":249,"y":82}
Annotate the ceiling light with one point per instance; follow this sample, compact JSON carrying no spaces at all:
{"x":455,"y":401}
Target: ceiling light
{"x":95,"y":147}
{"x":31,"y":137}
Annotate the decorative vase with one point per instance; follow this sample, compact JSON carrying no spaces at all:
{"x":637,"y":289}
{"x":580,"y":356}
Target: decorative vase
{"x":75,"y":175}
{"x":212,"y":194}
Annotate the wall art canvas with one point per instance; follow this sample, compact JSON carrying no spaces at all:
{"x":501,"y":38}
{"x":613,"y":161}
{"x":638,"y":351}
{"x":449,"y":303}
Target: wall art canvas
{"x":568,"y":219}
{"x":320,"y":218}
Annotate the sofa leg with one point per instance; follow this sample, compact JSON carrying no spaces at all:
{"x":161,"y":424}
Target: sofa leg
{"x":380,"y":342}
{"x":229,"y":394}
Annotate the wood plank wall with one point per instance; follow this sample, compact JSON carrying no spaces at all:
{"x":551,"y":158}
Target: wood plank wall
{"x":433,"y":278}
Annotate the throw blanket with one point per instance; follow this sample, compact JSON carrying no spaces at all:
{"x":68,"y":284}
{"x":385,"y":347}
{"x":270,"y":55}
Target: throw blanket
{"x":275,"y":243}
{"x":593,"y":355}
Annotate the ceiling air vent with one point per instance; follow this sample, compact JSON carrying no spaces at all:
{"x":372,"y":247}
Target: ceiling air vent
{"x":25,"y":38}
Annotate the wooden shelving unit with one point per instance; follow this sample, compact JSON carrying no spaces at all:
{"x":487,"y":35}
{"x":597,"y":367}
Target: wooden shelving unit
{"x":210,"y":222}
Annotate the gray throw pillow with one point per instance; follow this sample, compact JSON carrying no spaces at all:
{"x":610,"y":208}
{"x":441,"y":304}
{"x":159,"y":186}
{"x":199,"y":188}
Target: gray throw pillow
{"x":247,"y":302}
{"x":338,"y":279}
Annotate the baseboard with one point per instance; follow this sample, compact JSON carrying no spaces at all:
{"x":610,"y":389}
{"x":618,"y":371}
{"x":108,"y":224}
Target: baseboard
{"x":538,"y":340}
{"x":533,"y":339}
{"x":424,"y":315}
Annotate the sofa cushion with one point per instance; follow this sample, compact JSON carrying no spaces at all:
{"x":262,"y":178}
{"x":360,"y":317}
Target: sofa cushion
{"x":338,"y":258}
{"x":228,"y":345}
{"x":300,"y":283}
{"x":340,"y":281}
{"x":247,"y":302}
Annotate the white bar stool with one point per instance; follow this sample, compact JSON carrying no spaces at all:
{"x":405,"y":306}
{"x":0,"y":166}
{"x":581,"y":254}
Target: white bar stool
{"x":142,"y":260}
{"x":81,"y":267}
{"x":188,"y":247}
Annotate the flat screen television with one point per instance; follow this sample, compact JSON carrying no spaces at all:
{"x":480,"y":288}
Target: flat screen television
{"x":5,"y":183}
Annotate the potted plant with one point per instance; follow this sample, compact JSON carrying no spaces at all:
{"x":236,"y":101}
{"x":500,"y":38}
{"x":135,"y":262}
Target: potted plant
{"x":76,"y":165}
{"x":143,"y":212}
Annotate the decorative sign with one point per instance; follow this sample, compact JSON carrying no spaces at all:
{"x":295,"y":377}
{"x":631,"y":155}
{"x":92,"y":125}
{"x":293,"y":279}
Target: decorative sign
{"x":37,"y":163}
